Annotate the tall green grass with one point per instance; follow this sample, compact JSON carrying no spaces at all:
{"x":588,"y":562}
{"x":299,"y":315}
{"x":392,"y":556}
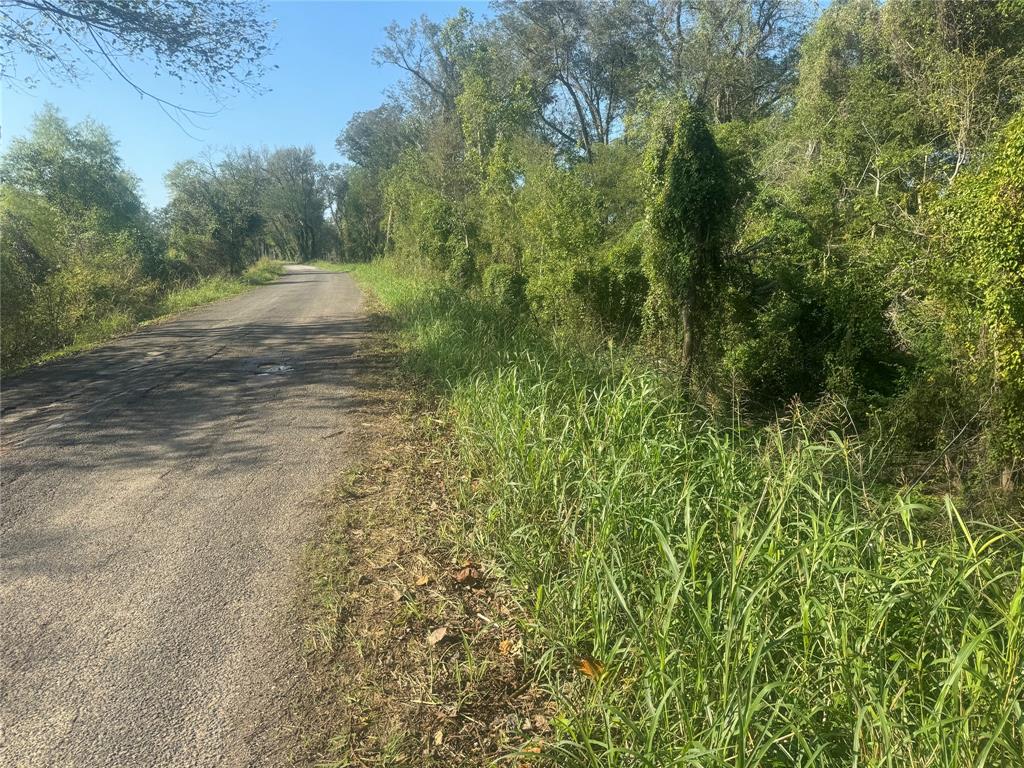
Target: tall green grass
{"x":752,"y":596}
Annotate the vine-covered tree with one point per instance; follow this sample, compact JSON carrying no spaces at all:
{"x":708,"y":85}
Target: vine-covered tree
{"x":687,"y":214}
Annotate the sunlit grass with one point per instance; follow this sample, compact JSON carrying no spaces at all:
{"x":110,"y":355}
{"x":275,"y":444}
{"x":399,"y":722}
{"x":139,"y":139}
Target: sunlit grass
{"x":218,"y":287}
{"x":753,"y":598}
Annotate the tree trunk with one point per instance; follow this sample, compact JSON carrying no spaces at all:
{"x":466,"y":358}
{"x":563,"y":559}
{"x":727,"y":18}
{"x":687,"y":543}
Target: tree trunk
{"x":687,"y":317}
{"x":1007,"y":480}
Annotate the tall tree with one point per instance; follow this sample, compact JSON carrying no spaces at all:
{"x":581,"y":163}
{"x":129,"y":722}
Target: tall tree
{"x":736,"y":57}
{"x":374,"y":139}
{"x":214,"y":218}
{"x":431,"y":53}
{"x":75,"y":168}
{"x":687,"y":215}
{"x":590,"y":60}
{"x":295,"y":201}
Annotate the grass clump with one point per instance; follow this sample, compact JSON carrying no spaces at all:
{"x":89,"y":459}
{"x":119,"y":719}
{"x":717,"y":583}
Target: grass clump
{"x":741,"y":596}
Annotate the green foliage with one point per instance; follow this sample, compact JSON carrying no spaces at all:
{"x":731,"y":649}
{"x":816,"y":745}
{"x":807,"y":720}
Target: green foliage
{"x":222,"y":217}
{"x":615,"y":290}
{"x":687,"y":216}
{"x":505,"y":287}
{"x":356,"y":204}
{"x":784,"y":247}
{"x":561,"y":230}
{"x":751,"y":594}
{"x":803,"y":323}
{"x":76,"y":239}
{"x":81,"y":258}
{"x":215,"y":44}
{"x":75,"y":168}
{"x":983,"y":221}
{"x":808,"y":581}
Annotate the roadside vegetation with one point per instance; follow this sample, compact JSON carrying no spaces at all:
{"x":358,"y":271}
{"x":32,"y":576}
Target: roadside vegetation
{"x":722,"y":306}
{"x":174,"y":300}
{"x":82,"y":258}
{"x":699,"y":590}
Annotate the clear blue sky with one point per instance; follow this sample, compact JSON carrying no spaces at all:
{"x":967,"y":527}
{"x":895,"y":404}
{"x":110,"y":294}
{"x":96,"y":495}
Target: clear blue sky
{"x":325,"y":74}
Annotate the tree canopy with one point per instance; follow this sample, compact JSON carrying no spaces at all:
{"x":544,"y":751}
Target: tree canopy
{"x":214,"y":44}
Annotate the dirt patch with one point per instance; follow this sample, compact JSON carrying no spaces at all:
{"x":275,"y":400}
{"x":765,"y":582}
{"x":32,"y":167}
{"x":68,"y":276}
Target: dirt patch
{"x":415,"y":657}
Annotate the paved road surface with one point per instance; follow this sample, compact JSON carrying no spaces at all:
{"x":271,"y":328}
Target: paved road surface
{"x":157,"y":494}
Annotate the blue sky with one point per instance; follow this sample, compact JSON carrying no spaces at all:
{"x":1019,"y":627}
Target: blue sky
{"x":324,"y":75}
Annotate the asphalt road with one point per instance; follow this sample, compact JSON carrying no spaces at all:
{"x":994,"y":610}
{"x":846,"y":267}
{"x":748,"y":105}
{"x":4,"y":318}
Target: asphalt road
{"x":157,"y":496}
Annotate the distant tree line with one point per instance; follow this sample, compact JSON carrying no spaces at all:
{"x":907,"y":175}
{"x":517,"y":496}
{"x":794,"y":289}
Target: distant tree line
{"x":776,"y":205}
{"x":80,"y":248}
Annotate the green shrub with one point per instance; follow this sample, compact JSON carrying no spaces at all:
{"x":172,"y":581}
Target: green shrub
{"x":984,"y":227}
{"x":506,"y":287}
{"x":615,"y":290}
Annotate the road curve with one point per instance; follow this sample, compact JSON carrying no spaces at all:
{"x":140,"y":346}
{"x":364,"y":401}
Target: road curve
{"x":157,"y":493}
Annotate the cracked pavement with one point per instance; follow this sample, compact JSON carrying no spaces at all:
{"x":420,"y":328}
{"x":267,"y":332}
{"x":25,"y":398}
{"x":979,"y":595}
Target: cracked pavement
{"x":157,"y":496}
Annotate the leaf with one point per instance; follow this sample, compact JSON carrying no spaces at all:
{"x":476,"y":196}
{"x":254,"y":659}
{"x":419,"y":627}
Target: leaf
{"x":468,"y":575}
{"x":437,"y":636}
{"x":590,"y":667}
{"x":422,"y":581}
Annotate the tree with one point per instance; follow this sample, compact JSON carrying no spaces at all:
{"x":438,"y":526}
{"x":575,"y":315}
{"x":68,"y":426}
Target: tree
{"x":687,"y":216}
{"x":214,"y":218}
{"x":355,"y":202}
{"x":215,"y":44}
{"x":983,"y":228}
{"x":736,"y":57}
{"x":374,"y":139}
{"x":294,"y":202}
{"x":590,"y":61}
{"x":431,"y":53}
{"x":75,"y":168}
{"x":77,"y":245}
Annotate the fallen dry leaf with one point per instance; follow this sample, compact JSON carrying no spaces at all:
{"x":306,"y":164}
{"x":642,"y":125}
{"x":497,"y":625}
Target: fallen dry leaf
{"x":468,"y":575}
{"x":590,"y":667}
{"x":437,"y":636}
{"x":422,"y":581}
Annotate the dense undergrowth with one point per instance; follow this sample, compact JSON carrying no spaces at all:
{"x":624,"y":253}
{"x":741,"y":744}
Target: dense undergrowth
{"x":82,"y":258}
{"x":705,"y":592}
{"x":110,"y":322}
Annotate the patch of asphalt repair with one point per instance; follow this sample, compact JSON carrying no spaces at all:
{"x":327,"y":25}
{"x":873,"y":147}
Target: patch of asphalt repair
{"x":157,"y":495}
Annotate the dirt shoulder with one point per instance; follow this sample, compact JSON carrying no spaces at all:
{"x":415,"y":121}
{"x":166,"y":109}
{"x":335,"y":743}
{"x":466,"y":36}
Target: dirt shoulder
{"x":415,"y":657}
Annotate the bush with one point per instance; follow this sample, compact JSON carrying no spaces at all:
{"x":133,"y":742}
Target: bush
{"x":505,"y":287}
